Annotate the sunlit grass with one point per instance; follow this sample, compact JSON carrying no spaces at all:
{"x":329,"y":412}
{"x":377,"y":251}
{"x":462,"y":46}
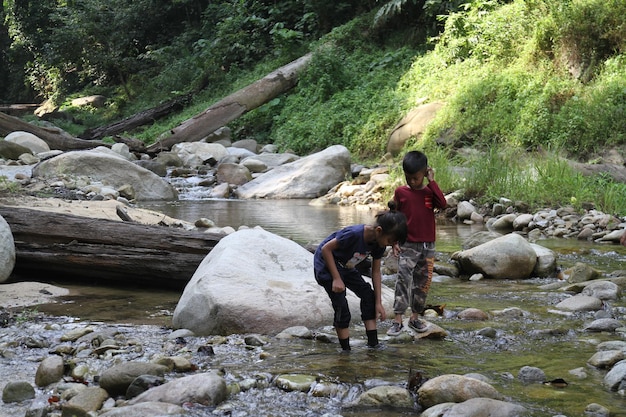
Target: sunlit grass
{"x":539,"y":180}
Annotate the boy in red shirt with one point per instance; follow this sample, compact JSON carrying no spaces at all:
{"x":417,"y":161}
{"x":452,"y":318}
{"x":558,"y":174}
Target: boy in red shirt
{"x":418,"y":202}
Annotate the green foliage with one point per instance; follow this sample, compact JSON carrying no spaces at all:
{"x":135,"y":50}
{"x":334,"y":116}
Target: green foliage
{"x":520,"y":76}
{"x":392,"y":8}
{"x":344,"y":99}
{"x":501,"y":87}
{"x":7,"y":186}
{"x":582,"y":33}
{"x":26,"y":315}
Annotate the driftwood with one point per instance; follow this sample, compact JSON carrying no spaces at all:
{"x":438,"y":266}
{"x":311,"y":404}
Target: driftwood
{"x":234,"y":105}
{"x":138,"y":119}
{"x":54,"y":137}
{"x":52,"y":245}
{"x":19,"y":109}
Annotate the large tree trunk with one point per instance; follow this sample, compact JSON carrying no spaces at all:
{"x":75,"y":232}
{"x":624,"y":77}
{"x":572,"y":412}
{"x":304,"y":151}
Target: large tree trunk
{"x":138,"y":119}
{"x":50,"y":245}
{"x":234,"y":105}
{"x":54,"y":137}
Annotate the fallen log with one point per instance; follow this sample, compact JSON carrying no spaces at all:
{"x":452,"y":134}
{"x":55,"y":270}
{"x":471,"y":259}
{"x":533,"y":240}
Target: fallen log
{"x":54,"y":137}
{"x":19,"y":109}
{"x":51,"y":245}
{"x":234,"y":105}
{"x":144,"y":117}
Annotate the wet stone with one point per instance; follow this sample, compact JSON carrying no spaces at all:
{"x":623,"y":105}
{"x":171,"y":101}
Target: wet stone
{"x":17,"y":391}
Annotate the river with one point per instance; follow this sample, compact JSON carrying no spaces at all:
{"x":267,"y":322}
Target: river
{"x":499,"y":358}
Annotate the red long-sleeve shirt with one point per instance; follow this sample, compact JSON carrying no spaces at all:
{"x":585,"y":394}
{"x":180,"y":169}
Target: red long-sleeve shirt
{"x":419,"y":208}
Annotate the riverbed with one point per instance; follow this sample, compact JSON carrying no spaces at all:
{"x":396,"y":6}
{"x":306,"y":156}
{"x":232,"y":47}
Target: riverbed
{"x":146,"y":315}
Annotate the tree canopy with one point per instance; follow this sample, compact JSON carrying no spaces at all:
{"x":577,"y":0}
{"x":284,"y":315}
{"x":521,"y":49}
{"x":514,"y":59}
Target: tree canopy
{"x":526,"y":73}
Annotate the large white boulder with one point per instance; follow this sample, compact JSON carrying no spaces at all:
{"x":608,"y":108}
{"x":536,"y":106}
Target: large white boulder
{"x":7,"y":250}
{"x":308,"y":177}
{"x":510,"y":256}
{"x":195,"y":154}
{"x":28,"y":140}
{"x":108,"y":168}
{"x":256,"y":281}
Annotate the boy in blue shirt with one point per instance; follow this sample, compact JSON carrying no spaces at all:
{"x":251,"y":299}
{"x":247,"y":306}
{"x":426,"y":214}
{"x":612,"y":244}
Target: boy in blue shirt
{"x":335,"y":267}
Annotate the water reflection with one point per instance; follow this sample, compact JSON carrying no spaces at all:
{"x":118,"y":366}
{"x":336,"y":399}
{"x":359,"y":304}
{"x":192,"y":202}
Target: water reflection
{"x":294,"y":219}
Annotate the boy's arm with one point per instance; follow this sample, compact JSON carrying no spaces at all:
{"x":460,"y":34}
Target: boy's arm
{"x":439,"y":200}
{"x":377,"y":283}
{"x":329,"y":258}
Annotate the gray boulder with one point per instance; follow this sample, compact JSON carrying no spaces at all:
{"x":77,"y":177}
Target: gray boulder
{"x":531,"y":374}
{"x":522,"y":221}
{"x":273,"y":160}
{"x":88,"y":399}
{"x":28,"y":140}
{"x":504,"y":222}
{"x":477,"y":407}
{"x":604,"y":325}
{"x":582,"y":272}
{"x":147,"y":409}
{"x":580,"y":303}
{"x":195,"y":154}
{"x":235,"y":174}
{"x":464,"y":210}
{"x":17,"y":391}
{"x":605,"y":359}
{"x":308,"y":177}
{"x":388,"y":396}
{"x":49,"y":370}
{"x":614,"y":379}
{"x":7,"y":250}
{"x":110,"y":169}
{"x":509,"y":256}
{"x":205,"y":388}
{"x":117,"y":379}
{"x":546,"y":261}
{"x":256,"y":281}
{"x":454,"y":388}
{"x":10,"y":150}
{"x":604,"y":290}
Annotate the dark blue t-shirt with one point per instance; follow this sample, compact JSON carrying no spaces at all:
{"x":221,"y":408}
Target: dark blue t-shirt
{"x":352,"y":248}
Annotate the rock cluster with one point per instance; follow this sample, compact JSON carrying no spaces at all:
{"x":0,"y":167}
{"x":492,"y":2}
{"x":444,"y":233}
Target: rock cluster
{"x":222,"y":168}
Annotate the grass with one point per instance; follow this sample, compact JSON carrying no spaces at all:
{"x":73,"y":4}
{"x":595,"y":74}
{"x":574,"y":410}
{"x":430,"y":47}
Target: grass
{"x":539,"y":180}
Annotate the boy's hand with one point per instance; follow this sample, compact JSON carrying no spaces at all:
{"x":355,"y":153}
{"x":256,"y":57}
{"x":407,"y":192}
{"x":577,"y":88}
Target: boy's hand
{"x":338,"y":285}
{"x":395,"y":249}
{"x":380,"y":312}
{"x":430,"y":174}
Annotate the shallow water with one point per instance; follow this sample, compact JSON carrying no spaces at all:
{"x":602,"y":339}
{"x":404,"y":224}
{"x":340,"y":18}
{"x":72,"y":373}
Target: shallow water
{"x":499,"y":358}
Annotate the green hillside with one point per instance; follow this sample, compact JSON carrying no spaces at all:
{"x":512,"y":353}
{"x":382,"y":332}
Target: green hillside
{"x":525,"y":83}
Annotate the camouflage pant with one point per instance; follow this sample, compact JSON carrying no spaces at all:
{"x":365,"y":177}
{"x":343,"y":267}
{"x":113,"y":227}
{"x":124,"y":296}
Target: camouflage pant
{"x":415,"y":273}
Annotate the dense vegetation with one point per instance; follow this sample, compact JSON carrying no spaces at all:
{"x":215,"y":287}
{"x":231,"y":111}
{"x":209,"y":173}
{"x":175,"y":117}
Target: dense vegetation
{"x":525,"y":82}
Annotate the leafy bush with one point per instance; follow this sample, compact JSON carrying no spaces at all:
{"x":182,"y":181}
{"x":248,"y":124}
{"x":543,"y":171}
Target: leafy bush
{"x":500,"y":88}
{"x":343,"y":99}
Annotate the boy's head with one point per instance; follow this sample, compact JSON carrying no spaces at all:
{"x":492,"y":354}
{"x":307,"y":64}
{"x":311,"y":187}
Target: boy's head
{"x":415,"y":166}
{"x":414,"y":161}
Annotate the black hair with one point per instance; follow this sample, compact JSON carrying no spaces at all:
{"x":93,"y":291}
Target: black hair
{"x":393,"y":223}
{"x":414,"y":161}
